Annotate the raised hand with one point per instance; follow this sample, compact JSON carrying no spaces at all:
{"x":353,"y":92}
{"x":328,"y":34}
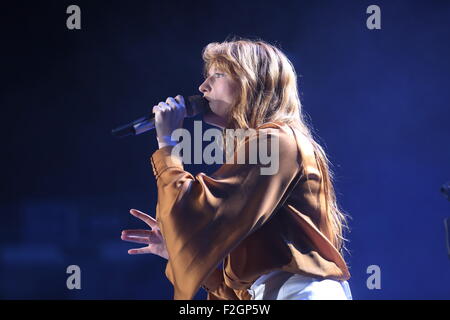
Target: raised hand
{"x":153,"y":237}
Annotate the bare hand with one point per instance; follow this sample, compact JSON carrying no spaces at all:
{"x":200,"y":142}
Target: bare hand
{"x":153,"y":237}
{"x":169,"y":116}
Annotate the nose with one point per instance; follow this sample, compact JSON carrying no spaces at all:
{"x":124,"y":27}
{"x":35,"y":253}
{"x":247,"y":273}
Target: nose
{"x":204,"y":87}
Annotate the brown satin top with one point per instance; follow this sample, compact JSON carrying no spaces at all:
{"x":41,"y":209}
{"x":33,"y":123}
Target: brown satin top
{"x":245,"y":220}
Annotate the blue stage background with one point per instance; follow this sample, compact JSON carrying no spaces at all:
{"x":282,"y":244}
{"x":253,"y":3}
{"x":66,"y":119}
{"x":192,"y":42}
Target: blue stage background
{"x":378,"y":100}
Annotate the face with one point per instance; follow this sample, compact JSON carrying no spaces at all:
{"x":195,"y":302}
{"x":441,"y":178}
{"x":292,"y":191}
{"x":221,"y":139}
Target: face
{"x":221,"y":90}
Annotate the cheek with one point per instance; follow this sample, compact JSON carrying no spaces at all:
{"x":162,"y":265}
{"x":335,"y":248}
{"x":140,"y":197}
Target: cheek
{"x":225,"y":97}
{"x":226,"y":91}
{"x":233,"y":91}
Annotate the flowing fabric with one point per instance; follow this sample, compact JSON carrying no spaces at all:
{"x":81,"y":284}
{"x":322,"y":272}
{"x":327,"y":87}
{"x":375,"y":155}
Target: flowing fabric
{"x":244,"y":219}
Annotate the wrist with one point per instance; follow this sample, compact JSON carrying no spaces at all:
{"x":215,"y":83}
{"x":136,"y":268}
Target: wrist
{"x":164,"y":144}
{"x":165,"y":141}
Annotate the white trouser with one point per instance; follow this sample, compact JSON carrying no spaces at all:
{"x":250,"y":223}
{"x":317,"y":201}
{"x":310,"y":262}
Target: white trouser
{"x":281,"y":285}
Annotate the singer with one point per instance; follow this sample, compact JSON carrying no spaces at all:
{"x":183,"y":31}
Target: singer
{"x":239,"y":234}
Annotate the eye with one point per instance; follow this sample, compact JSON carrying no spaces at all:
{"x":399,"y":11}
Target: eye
{"x":218,"y":75}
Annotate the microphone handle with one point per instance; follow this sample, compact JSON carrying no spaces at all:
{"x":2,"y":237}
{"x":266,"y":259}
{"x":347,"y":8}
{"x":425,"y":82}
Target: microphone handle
{"x":138,"y":126}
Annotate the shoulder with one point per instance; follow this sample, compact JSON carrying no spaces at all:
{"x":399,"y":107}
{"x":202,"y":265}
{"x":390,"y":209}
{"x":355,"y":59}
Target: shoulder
{"x":283,"y":134}
{"x":281,"y":142}
{"x":270,"y":149}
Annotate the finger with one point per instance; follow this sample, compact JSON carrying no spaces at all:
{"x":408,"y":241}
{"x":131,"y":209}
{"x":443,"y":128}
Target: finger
{"x":180,"y":99}
{"x":136,"y":239}
{"x":150,"y":238}
{"x":160,"y":108}
{"x":144,"y":217}
{"x":163,"y":106}
{"x":172,"y":102}
{"x":140,"y":250}
{"x":155,"y":109}
{"x":137,"y":233}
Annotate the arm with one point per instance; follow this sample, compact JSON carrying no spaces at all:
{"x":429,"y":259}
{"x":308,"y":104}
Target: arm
{"x":204,"y":218}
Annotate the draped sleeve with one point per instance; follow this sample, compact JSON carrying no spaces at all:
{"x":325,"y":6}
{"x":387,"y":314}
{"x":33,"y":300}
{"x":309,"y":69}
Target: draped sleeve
{"x":202,"y":218}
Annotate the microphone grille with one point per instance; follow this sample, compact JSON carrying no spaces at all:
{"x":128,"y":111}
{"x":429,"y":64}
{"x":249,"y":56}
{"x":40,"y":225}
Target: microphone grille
{"x":196,"y":105}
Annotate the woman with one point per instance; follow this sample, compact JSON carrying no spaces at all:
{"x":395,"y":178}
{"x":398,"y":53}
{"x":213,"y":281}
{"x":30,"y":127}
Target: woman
{"x":277,"y":236}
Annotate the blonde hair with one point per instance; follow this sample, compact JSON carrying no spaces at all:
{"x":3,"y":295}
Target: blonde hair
{"x":269,"y":93}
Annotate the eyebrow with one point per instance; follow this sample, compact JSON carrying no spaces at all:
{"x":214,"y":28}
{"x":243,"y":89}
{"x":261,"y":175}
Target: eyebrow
{"x":216,"y":71}
{"x":207,"y":74}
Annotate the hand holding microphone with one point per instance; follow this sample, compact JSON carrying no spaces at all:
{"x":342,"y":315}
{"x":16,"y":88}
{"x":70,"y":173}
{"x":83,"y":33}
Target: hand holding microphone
{"x":169,"y":116}
{"x":173,"y":109}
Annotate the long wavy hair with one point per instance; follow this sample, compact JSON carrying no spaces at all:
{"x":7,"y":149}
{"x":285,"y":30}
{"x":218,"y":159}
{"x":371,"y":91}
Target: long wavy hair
{"x":269,"y":93}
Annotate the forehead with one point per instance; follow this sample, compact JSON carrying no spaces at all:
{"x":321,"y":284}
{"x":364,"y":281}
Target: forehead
{"x":213,"y":69}
{"x":215,"y":66}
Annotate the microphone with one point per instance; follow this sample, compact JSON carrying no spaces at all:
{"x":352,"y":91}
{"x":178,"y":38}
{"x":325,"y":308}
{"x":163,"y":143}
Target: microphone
{"x":194,"y":106}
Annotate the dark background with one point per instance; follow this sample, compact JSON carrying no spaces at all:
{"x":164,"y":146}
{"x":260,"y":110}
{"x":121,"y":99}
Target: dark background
{"x":378,"y":100}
